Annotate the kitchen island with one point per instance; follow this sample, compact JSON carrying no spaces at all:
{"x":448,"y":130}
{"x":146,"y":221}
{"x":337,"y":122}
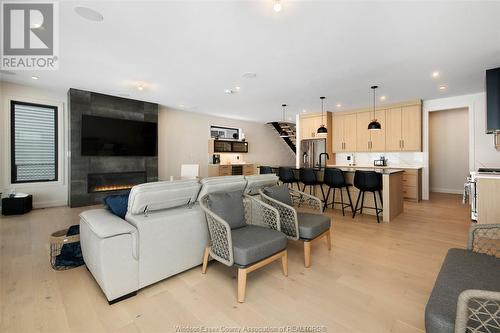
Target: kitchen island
{"x":392,"y":190}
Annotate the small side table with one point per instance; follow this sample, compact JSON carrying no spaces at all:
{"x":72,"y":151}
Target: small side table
{"x":15,"y":206}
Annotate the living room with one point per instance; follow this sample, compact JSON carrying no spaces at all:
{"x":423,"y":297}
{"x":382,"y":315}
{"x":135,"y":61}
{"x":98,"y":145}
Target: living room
{"x":266,"y":166}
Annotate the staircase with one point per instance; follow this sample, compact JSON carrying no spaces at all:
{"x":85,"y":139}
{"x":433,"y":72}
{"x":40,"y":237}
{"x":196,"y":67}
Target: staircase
{"x":290,"y":129}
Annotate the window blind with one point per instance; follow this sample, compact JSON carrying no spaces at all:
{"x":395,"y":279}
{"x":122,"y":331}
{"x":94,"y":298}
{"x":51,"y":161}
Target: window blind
{"x":34,"y":145}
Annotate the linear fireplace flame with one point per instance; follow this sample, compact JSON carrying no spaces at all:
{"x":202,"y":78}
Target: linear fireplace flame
{"x":116,"y":181}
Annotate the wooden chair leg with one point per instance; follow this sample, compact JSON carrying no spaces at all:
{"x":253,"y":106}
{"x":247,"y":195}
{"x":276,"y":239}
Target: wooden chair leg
{"x":205,"y":261}
{"x":284,"y":263}
{"x":307,"y":254}
{"x":329,"y":240}
{"x":242,"y":284}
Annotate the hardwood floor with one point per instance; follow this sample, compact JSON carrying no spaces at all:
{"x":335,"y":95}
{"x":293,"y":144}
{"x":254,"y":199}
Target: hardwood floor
{"x":377,"y":278}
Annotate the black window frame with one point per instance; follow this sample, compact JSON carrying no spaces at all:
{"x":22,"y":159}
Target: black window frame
{"x":13,"y":174}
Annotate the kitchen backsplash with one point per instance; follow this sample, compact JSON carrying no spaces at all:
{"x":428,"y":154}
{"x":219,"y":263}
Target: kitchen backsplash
{"x":398,"y":159}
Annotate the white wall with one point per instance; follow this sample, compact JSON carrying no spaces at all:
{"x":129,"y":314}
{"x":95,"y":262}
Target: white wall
{"x":183,"y":139}
{"x":44,"y":194}
{"x":482,"y":151}
{"x":448,"y":160}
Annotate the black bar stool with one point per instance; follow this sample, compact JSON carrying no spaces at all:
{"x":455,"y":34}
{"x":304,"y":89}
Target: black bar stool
{"x":307,"y":176}
{"x":286,"y":176}
{"x":334,"y":178}
{"x":265,"y":169}
{"x":368,"y":181}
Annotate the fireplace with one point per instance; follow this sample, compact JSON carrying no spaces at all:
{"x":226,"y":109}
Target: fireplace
{"x":115,"y":181}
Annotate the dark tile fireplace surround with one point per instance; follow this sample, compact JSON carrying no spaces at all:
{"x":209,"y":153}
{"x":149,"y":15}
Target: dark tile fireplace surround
{"x":94,"y":177}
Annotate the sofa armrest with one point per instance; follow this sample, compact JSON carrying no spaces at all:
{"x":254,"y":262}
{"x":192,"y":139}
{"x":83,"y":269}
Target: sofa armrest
{"x":104,"y":224}
{"x":476,"y":310}
{"x":110,"y":250}
{"x":485,"y":238}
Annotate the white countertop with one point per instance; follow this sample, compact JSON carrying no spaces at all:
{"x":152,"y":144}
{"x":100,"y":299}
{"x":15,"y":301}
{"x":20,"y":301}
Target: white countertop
{"x":364,"y":166}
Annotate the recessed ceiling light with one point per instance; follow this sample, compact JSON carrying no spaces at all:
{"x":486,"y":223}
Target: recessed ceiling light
{"x":304,"y":111}
{"x":140,"y":88}
{"x":237,"y":88}
{"x":35,"y":77}
{"x":442,"y":87}
{"x":89,"y":14}
{"x":277,"y":6}
{"x":383,"y":98}
{"x":248,"y":75}
{"x":435,"y":74}
{"x":339,"y":105}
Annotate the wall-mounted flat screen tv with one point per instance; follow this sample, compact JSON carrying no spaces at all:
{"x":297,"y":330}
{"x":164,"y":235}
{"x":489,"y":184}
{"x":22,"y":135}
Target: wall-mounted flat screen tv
{"x":118,"y":137}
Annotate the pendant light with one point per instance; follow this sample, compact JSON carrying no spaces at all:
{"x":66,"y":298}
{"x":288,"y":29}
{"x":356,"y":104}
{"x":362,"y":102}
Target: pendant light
{"x":283,"y":133}
{"x":322,"y":129}
{"x":374,"y":125}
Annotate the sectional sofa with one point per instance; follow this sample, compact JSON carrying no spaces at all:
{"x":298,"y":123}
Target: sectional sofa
{"x":164,"y":233}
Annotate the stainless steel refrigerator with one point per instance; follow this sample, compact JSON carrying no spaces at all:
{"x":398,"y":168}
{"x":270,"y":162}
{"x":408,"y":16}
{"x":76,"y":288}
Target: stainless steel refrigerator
{"x":310,"y":150}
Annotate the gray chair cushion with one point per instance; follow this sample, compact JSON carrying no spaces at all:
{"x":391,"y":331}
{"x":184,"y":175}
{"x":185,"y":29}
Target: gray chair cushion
{"x":229,"y":206}
{"x":253,"y":243}
{"x":461,"y":270}
{"x":280,"y":193}
{"x":312,"y":225}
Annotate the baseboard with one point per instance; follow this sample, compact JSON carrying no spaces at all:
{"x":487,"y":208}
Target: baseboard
{"x":447,"y":190}
{"x":48,"y":204}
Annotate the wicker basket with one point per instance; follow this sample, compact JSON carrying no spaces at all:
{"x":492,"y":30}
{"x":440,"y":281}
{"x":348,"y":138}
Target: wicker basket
{"x":57,"y":240}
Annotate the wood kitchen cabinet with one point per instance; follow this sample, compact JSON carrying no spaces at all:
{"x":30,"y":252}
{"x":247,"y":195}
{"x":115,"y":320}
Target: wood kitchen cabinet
{"x":412,"y":184}
{"x":404,"y":128}
{"x":344,"y":132}
{"x":309,"y":126}
{"x":367,"y":140}
{"x":215,"y":170}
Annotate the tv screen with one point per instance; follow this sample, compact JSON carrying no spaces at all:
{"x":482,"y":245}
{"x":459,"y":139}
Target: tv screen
{"x":117,"y":137}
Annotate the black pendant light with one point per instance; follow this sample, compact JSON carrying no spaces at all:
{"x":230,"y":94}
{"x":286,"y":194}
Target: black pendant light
{"x":322,"y":129}
{"x":283,"y":133}
{"x":374,"y":125}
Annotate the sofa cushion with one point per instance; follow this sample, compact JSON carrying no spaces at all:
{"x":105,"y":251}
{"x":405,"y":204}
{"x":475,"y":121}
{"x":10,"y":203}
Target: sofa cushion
{"x":229,"y":206}
{"x":162,"y":195}
{"x":254,"y":243}
{"x":280,"y":193}
{"x":461,"y":270}
{"x":117,"y":204}
{"x":312,"y":225}
{"x":256,"y":182}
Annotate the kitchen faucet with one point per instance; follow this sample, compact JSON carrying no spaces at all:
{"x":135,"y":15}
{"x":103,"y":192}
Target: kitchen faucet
{"x":327,"y":158}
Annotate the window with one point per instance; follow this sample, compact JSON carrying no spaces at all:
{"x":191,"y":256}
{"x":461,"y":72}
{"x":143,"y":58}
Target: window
{"x":33,"y":142}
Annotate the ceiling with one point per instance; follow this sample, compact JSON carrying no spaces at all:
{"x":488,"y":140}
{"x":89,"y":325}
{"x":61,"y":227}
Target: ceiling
{"x":188,"y":52}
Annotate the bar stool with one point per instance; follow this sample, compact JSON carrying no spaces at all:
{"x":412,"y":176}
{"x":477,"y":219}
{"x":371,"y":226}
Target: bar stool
{"x":368,"y":181}
{"x":335,"y":179}
{"x":307,"y":176}
{"x":287,"y":176}
{"x":265,"y":169}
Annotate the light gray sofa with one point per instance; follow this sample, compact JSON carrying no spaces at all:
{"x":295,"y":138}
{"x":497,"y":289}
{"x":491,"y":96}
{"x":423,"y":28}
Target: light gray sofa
{"x":466,"y":295}
{"x":164,"y":233}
